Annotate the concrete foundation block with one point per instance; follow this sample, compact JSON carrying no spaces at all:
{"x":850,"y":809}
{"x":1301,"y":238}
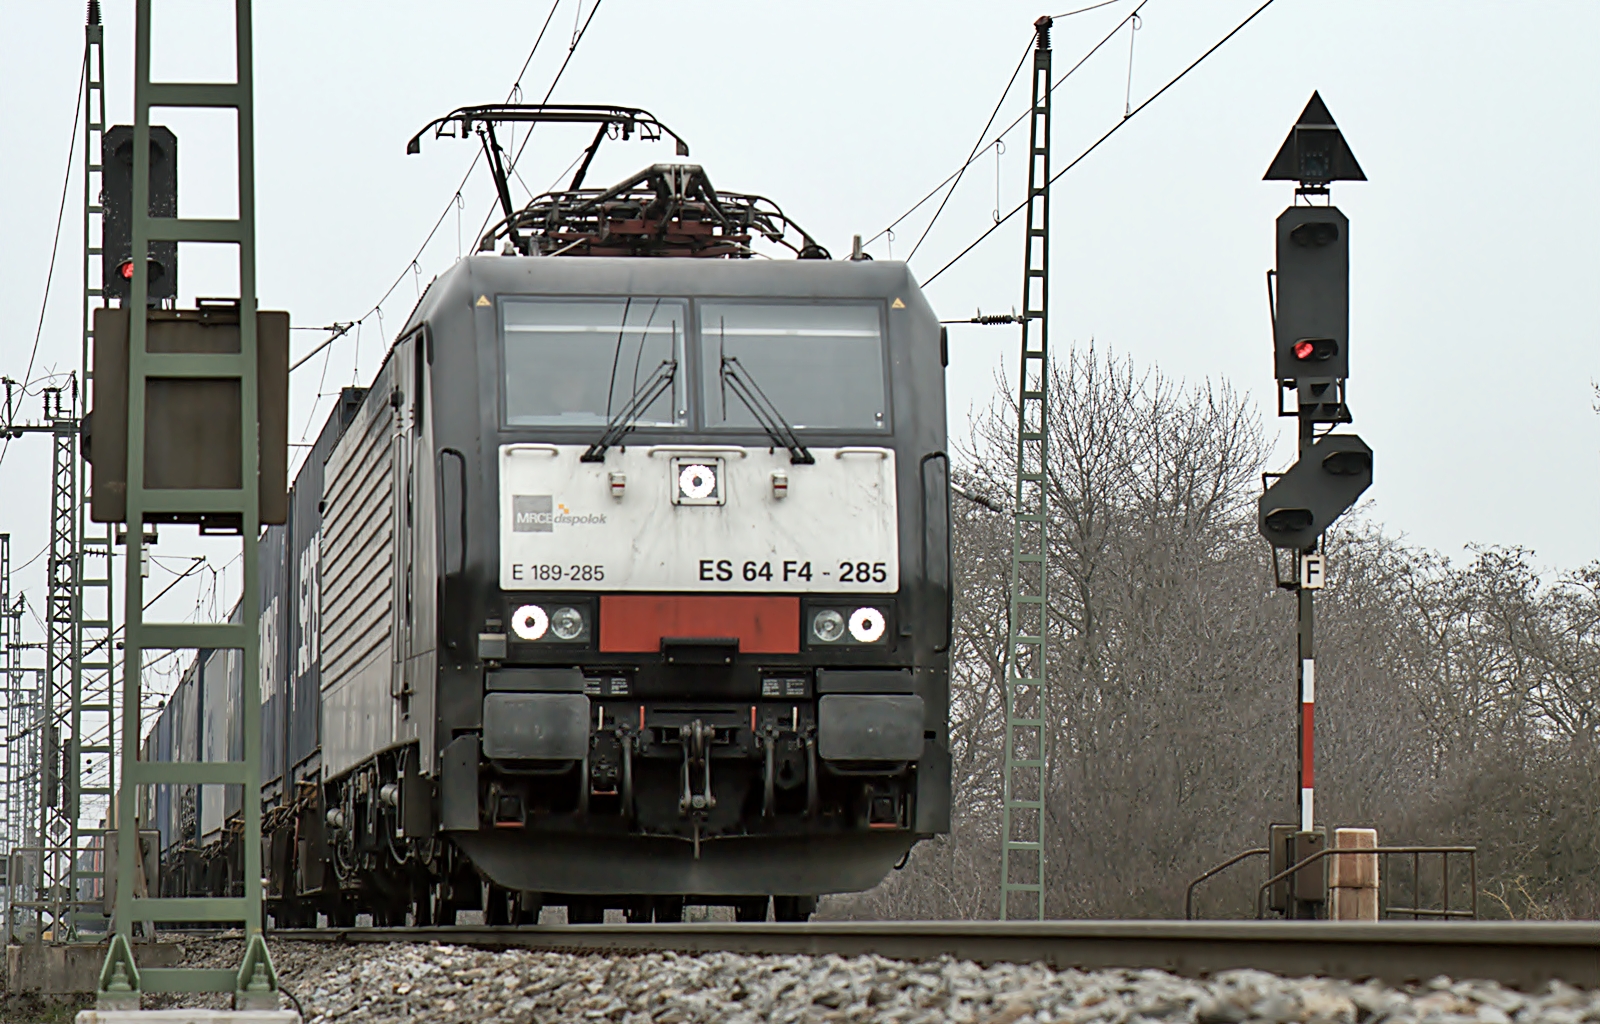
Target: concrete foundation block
{"x":74,"y":969}
{"x":1354,"y":871}
{"x":1353,"y":905}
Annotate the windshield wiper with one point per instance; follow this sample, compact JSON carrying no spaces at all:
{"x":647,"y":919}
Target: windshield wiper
{"x":626,"y":418}
{"x":745,"y":388}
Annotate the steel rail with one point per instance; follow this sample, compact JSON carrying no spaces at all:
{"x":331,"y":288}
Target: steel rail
{"x":1519,"y":954}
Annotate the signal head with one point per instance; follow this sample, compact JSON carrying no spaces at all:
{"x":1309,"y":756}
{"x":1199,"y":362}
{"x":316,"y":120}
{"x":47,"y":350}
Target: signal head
{"x":1315,"y":491}
{"x":1311,"y":309}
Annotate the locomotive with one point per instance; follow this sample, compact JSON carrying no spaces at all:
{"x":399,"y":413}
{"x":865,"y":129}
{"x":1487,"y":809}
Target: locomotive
{"x":625,"y":584}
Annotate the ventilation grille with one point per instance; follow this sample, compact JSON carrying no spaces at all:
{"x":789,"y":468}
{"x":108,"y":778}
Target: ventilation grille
{"x":358,"y":542}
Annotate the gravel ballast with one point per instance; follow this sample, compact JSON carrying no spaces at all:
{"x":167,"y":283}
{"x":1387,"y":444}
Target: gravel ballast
{"x":433,"y":984}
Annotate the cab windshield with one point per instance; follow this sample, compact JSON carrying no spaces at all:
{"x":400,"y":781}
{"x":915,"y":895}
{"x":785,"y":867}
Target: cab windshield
{"x":821,"y":366}
{"x":576,"y":362}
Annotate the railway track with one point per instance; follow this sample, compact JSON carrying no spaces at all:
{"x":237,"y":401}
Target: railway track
{"x":1518,"y":954}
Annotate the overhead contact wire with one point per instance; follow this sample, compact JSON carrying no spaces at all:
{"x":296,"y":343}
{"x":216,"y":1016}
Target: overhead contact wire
{"x":1008,"y":128}
{"x":512,"y":167}
{"x":977,"y":147}
{"x":1096,"y":143}
{"x":1082,"y":10}
{"x":516,"y":87}
{"x":55,"y":242}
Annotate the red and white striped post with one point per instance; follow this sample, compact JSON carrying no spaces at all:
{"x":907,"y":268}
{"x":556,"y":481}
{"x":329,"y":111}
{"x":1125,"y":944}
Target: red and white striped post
{"x":1310,"y":569}
{"x":1308,"y":704}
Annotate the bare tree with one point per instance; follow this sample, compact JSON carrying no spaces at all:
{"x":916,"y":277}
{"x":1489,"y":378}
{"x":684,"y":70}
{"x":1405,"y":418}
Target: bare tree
{"x":1458,"y":701}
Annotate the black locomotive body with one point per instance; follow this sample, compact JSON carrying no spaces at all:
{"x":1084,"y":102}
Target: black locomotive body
{"x":625,"y":584}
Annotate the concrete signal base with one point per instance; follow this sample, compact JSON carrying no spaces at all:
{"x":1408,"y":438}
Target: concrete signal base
{"x":73,"y":969}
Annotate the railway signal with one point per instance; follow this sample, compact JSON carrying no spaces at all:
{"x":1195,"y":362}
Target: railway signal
{"x":1310,"y":327}
{"x":116,"y":198}
{"x":1310,"y":292}
{"x":1311,"y":321}
{"x":1315,"y":491}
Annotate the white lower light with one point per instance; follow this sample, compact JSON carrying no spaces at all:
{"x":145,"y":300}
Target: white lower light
{"x":529,"y":622}
{"x":866,"y":625}
{"x":697,"y":481}
{"x":566,"y":623}
{"x":827,"y":626}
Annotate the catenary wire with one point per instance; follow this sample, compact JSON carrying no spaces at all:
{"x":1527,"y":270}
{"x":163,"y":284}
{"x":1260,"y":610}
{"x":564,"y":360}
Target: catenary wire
{"x":55,"y":242}
{"x":377,"y":308}
{"x":516,"y":87}
{"x":1096,"y":143}
{"x":976,"y":147}
{"x":1081,"y":10}
{"x":1127,"y":92}
{"x":512,"y":168}
{"x":1008,"y":128}
{"x":18,"y":568}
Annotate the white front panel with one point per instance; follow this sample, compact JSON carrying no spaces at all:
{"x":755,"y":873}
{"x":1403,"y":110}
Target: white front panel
{"x":833,"y":528}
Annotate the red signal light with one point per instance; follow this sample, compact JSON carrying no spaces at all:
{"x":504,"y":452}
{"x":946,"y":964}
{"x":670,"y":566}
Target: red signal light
{"x":125,"y":270}
{"x":1314,"y":350}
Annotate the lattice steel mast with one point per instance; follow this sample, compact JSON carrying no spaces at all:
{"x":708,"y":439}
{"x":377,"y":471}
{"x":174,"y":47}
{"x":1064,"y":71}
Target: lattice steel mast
{"x":1022,"y":810}
{"x":61,"y":615}
{"x":8,"y":802}
{"x":75,"y":696}
{"x":253,"y":984}
{"x":91,"y":760}
{"x":22,"y":765}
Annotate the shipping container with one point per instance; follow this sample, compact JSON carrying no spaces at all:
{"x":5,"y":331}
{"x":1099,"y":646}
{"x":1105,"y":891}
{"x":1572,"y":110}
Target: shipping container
{"x":305,"y":539}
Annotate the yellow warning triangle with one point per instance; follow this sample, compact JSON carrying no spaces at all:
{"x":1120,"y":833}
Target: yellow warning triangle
{"x":483,"y":300}
{"x":897,"y":304}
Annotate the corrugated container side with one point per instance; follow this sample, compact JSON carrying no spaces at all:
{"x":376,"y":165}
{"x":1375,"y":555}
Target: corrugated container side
{"x":165,"y":727}
{"x":233,"y":799}
{"x":190,"y":699}
{"x":220,"y":733}
{"x":304,"y":618}
{"x":275,"y":613}
{"x":357,"y":592}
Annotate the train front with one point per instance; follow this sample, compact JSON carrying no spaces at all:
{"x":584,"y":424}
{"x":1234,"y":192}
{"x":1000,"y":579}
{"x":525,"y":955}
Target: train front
{"x":701,"y":603}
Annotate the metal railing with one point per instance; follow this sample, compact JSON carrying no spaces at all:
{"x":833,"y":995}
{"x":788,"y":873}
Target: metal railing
{"x":1416,"y":911}
{"x":1443,"y":912}
{"x":1188,"y":895}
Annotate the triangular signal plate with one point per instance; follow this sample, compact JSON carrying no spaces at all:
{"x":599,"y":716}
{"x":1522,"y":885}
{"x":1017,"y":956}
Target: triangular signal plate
{"x":1315,"y":151}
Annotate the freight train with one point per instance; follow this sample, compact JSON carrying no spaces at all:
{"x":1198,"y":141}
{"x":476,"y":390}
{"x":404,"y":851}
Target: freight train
{"x":625,"y":584}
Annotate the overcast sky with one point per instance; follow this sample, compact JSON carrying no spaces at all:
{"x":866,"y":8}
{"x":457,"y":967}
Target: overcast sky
{"x":1473,"y":263}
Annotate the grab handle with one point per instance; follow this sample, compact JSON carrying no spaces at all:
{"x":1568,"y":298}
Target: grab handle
{"x":461,"y":461}
{"x":949,"y":555}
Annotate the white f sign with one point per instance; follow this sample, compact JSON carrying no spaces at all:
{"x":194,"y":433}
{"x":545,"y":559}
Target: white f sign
{"x":1313,"y":571}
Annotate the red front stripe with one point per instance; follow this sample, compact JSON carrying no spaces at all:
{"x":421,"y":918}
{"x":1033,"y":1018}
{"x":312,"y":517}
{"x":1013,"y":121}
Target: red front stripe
{"x":637,"y":623}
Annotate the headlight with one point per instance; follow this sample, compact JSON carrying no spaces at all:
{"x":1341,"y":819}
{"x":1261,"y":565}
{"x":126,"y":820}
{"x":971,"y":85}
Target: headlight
{"x":530,"y":622}
{"x":697,"y":481}
{"x":567,"y":623}
{"x":827,"y":625}
{"x":866,"y":625}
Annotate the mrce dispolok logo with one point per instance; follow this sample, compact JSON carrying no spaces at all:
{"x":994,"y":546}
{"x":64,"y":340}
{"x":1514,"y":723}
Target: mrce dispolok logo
{"x":541,"y":513}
